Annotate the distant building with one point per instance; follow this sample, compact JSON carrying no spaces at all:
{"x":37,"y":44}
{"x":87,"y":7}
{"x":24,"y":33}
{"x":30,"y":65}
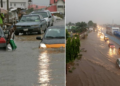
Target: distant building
{"x":15,"y":4}
{"x":35,"y":7}
{"x":57,"y":5}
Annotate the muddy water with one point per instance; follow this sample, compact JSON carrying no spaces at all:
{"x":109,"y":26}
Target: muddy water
{"x":97,"y":66}
{"x":30,"y":66}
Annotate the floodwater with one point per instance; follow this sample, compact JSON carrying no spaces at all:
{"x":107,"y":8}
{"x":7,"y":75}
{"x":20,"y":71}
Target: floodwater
{"x":97,"y":66}
{"x":30,"y":66}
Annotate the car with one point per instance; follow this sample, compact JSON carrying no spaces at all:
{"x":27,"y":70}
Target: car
{"x":3,"y":42}
{"x":54,"y":37}
{"x":106,"y":38}
{"x":118,"y":62}
{"x":46,"y":15}
{"x":31,"y":23}
{"x":111,"y":45}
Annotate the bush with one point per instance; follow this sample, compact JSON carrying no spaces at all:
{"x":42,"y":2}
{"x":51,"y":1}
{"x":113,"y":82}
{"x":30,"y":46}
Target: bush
{"x":72,"y":49}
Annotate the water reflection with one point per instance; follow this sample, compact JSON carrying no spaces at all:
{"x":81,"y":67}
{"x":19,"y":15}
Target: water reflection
{"x":112,"y":51}
{"x":44,"y":68}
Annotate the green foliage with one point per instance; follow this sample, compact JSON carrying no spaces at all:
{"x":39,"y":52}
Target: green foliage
{"x":72,"y":49}
{"x":67,"y":34}
{"x":90,"y":23}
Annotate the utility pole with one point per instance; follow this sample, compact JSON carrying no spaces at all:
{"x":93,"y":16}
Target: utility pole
{"x":1,"y":3}
{"x":8,"y":10}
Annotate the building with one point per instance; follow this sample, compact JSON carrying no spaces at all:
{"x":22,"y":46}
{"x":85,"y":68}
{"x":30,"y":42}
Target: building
{"x":35,"y":7}
{"x":57,"y":5}
{"x":111,"y":30}
{"x":15,"y":4}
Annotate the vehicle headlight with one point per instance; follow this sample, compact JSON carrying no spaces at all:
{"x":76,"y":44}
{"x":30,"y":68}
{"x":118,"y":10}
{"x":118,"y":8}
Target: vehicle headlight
{"x":42,"y":45}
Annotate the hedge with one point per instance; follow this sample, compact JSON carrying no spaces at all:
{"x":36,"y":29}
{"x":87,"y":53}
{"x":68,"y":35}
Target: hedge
{"x":72,"y":48}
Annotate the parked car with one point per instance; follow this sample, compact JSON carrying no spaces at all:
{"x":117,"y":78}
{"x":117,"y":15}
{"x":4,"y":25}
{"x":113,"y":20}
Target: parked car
{"x":46,"y":15}
{"x":111,"y":45}
{"x":54,"y":37}
{"x":118,"y":62}
{"x":31,"y":23}
{"x":3,"y":43}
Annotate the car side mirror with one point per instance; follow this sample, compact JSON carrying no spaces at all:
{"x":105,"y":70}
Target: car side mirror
{"x":49,"y":16}
{"x":38,"y":38}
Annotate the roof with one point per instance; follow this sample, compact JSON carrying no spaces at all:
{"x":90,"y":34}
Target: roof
{"x":55,"y":1}
{"x":52,"y":8}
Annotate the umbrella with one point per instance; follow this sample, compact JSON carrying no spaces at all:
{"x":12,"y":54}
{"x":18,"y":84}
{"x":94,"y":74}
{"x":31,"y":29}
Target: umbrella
{"x":3,"y":11}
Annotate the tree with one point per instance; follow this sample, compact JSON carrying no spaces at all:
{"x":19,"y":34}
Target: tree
{"x":90,"y":23}
{"x":67,"y":34}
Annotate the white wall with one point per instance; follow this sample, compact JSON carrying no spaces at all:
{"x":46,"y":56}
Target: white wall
{"x":60,"y":3}
{"x":19,"y":3}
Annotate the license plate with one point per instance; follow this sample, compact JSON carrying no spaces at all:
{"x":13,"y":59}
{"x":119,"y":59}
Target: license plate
{"x":25,"y":29}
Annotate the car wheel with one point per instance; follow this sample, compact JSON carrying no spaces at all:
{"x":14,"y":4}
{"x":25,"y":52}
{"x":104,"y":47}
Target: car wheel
{"x":16,"y":33}
{"x":40,"y":30}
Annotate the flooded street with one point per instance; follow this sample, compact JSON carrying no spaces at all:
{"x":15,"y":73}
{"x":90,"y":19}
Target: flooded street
{"x":30,"y":66}
{"x":97,"y":66}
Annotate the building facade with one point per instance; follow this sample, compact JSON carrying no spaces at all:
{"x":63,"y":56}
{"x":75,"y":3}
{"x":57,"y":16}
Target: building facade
{"x":59,"y":5}
{"x":15,"y":4}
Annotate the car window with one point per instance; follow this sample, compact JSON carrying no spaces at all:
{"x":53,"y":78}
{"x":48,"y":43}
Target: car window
{"x":55,"y":33}
{"x":49,"y":13}
{"x":41,"y":18}
{"x":30,"y":19}
{"x":44,"y":14}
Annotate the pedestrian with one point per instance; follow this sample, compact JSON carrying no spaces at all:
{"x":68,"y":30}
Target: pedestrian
{"x":1,"y":19}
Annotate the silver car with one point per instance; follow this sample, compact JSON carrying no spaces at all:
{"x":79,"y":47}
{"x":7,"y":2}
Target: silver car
{"x":31,"y":23}
{"x":118,"y":62}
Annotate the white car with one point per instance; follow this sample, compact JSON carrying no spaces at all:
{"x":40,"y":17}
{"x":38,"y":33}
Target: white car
{"x":118,"y":62}
{"x":46,"y":15}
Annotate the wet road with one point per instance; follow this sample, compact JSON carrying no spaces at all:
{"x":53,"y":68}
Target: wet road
{"x":30,"y":66}
{"x":97,"y":66}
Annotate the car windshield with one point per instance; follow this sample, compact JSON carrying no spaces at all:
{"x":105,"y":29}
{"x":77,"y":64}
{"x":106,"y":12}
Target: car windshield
{"x":30,"y":19}
{"x":44,"y":14}
{"x":55,"y":33}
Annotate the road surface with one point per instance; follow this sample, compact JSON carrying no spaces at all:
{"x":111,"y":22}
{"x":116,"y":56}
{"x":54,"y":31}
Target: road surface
{"x":97,"y":66}
{"x":30,"y":66}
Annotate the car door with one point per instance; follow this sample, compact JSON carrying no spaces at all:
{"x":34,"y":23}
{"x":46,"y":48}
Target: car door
{"x":43,"y":23}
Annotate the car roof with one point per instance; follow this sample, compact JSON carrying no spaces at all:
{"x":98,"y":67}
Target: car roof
{"x":54,"y":27}
{"x":40,"y":11}
{"x":32,"y":14}
{"x":118,"y":59}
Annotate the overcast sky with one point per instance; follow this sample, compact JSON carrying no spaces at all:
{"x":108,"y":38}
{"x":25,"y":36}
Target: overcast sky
{"x":99,"y":11}
{"x":41,"y":2}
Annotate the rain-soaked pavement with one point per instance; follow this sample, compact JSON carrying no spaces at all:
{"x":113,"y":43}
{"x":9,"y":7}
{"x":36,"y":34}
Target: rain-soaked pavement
{"x":30,"y":66}
{"x":97,"y":66}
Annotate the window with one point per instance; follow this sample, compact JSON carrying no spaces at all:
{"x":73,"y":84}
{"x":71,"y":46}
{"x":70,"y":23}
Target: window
{"x":41,"y":18}
{"x":60,"y":6}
